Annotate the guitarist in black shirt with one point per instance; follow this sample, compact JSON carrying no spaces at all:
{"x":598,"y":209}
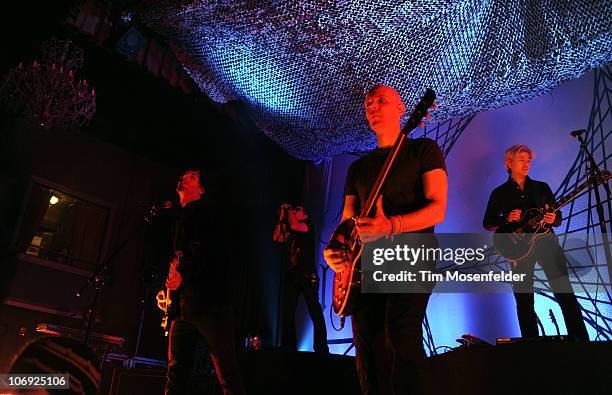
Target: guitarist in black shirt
{"x":387,"y":327}
{"x":507,"y":204}
{"x":201,"y":281}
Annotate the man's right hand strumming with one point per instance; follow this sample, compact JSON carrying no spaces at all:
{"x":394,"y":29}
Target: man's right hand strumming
{"x":161,"y":300}
{"x":335,"y":258}
{"x":334,"y":253}
{"x":514,"y":216}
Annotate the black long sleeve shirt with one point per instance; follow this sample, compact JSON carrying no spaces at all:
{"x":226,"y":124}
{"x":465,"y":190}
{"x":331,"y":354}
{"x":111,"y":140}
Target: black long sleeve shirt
{"x":201,"y":234}
{"x":302,"y":251}
{"x":509,"y":196}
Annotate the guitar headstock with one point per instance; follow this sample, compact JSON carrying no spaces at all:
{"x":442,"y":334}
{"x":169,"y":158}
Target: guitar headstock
{"x":420,"y":111}
{"x":602,"y":176}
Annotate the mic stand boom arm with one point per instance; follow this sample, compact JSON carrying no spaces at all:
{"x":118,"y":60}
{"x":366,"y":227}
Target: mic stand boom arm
{"x":97,"y":279}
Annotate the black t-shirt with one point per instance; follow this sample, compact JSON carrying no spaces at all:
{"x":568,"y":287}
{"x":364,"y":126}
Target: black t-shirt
{"x":403,"y":192}
{"x":509,"y":196}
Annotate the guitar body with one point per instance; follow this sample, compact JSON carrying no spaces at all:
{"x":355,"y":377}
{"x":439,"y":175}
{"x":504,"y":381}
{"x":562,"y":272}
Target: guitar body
{"x":516,"y":240}
{"x":347,"y":283}
{"x":171,"y":311}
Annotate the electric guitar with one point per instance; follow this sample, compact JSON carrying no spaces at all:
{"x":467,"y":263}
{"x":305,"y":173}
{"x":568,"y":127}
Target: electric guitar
{"x":171,"y":311}
{"x":516,"y":240}
{"x":347,"y":283}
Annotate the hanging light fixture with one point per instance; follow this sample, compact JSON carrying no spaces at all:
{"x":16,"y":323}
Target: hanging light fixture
{"x":47,"y":93}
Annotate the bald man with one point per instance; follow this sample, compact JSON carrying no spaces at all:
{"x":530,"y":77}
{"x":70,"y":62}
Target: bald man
{"x":387,"y":328}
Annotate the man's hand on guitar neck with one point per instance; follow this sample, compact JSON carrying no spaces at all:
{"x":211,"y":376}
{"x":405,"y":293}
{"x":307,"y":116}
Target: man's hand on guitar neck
{"x":174,"y":279}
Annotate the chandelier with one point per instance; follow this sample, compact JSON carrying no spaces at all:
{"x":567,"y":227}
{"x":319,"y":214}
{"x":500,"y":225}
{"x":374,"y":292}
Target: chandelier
{"x":46,"y":93}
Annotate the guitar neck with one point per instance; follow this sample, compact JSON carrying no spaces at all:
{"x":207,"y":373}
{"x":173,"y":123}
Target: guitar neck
{"x":366,"y":210}
{"x":571,"y":196}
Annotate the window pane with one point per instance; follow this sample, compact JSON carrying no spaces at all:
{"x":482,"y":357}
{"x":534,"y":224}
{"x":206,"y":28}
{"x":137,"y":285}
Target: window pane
{"x":63,"y":228}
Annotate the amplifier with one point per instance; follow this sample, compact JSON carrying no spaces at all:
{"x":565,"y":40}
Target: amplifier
{"x":138,"y":381}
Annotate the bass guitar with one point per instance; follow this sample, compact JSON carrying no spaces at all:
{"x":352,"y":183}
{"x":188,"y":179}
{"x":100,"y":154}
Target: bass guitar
{"x":347,"y":283}
{"x":516,"y":240}
{"x":170,"y":310}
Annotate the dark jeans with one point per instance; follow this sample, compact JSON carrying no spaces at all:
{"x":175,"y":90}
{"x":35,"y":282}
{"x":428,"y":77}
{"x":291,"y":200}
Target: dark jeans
{"x":297,"y":283}
{"x":216,"y":325}
{"x":552,"y":260}
{"x":388,"y":336}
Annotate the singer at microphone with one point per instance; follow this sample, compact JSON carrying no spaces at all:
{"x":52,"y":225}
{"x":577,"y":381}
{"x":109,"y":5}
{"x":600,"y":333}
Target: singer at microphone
{"x":577,"y":133}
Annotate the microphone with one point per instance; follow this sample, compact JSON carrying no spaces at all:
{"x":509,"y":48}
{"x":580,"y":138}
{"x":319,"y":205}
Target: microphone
{"x":577,"y":133}
{"x":159,"y":205}
{"x":165,"y":204}
{"x":152,"y":211}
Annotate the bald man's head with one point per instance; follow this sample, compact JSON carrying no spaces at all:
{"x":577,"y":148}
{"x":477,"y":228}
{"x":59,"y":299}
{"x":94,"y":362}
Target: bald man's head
{"x":384,"y":108}
{"x":392,"y":93}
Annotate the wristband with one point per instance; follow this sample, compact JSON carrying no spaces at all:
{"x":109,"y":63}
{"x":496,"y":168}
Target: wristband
{"x":396,"y":224}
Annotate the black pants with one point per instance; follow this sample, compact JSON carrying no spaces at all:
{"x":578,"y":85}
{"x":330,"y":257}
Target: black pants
{"x":216,"y":325}
{"x":388,"y":336}
{"x":297,"y":283}
{"x":552,"y":260}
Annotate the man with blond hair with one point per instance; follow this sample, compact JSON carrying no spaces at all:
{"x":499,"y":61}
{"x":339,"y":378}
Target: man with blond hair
{"x":508,"y":203}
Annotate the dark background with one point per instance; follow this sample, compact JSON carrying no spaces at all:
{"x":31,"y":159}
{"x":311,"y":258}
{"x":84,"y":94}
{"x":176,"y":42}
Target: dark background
{"x":143,"y":134}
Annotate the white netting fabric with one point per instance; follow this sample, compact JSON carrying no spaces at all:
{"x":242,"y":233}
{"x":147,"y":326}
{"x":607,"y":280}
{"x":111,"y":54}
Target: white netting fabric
{"x":303,"y":66}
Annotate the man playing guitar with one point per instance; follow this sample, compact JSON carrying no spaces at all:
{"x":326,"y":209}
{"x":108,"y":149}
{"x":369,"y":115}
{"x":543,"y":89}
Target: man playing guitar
{"x":508,"y":204}
{"x":201,"y":277}
{"x":413,"y":200}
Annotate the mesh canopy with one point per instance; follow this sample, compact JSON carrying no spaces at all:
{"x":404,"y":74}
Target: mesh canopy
{"x":303,"y":66}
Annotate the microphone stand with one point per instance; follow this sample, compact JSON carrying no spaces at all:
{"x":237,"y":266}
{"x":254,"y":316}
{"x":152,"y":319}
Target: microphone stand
{"x":595,"y":172}
{"x":97,"y":280}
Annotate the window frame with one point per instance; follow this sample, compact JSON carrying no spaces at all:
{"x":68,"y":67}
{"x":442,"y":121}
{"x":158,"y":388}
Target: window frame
{"x":106,"y":238}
